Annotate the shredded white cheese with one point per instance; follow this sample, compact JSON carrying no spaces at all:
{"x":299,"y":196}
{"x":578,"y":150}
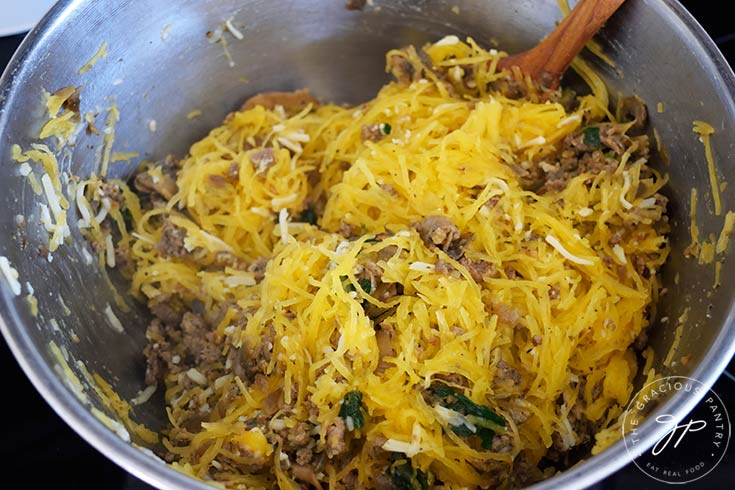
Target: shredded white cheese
{"x":453,"y":418}
{"x":626,"y":187}
{"x":422,"y":267}
{"x":647,"y":203}
{"x":120,"y":430}
{"x":196,"y":376}
{"x":88,"y":259}
{"x":261,"y":212}
{"x":109,"y":251}
{"x":113,"y":320}
{"x":283,"y":225}
{"x":213,"y":240}
{"x":291,"y":145}
{"x":51,"y":196}
{"x":447,"y":41}
{"x":233,"y":30}
{"x":299,"y":136}
{"x":409,"y":449}
{"x":240,"y":280}
{"x":101,"y":215}
{"x":84,"y":209}
{"x":24,"y":169}
{"x":500,"y":183}
{"x":143,"y":395}
{"x":280,"y":202}
{"x":619,"y":254}
{"x":64,"y":308}
{"x":564,"y":252}
{"x":534,"y":142}
{"x":11,"y":275}
{"x":143,"y":238}
{"x":396,"y":446}
{"x":568,"y":120}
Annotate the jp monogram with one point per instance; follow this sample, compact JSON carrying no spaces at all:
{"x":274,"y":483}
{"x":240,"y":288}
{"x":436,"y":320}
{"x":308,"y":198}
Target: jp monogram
{"x":689,"y":448}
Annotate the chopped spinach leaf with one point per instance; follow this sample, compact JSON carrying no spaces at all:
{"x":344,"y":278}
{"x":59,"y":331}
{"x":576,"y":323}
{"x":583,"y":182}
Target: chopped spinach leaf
{"x":592,"y":137}
{"x":352,"y":408}
{"x":308,"y":216}
{"x":365,"y":284}
{"x":127,"y":217}
{"x":486,"y":438}
{"x":486,"y":422}
{"x":382,"y":315}
{"x":405,"y":477}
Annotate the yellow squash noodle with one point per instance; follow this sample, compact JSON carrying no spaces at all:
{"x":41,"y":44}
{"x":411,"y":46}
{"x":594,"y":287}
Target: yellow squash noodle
{"x":548,"y":333}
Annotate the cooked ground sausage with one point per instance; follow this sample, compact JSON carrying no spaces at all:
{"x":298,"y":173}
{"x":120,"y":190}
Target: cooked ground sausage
{"x":440,"y":232}
{"x":292,"y":102}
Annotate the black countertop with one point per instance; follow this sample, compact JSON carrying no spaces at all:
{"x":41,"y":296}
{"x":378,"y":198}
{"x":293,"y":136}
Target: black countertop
{"x":39,"y":449}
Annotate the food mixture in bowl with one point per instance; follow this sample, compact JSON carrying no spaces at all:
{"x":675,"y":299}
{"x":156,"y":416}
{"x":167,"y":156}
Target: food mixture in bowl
{"x":447,"y":286}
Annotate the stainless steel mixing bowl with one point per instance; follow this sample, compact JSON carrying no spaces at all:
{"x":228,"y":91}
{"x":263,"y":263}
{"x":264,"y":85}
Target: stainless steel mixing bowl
{"x":156,"y":74}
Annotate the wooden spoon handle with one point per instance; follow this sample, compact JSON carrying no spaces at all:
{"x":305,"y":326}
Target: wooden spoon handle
{"x":547,"y":61}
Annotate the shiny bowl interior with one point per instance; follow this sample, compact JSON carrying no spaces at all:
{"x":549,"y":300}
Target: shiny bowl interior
{"x":160,"y":74}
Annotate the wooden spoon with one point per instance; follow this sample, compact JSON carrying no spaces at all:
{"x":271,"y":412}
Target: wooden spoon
{"x":547,"y":61}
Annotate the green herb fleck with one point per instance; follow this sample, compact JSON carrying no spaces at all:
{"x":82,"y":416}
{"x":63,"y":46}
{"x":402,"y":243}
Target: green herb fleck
{"x":352,"y":408}
{"x":385,"y":128}
{"x":592,"y":137}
